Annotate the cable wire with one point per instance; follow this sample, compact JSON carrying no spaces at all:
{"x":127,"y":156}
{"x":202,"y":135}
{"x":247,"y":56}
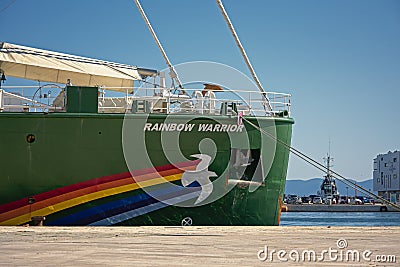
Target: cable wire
{"x":7,"y":6}
{"x":321,"y":167}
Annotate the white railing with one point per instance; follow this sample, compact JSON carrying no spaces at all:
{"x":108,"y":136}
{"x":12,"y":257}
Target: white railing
{"x":212,"y":101}
{"x":28,"y":99}
{"x":51,"y":98}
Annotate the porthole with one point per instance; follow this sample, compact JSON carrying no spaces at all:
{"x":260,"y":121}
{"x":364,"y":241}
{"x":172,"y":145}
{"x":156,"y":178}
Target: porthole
{"x":30,"y":138}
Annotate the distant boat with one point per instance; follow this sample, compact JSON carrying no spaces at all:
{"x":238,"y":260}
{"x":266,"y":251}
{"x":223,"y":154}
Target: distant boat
{"x":329,"y":190}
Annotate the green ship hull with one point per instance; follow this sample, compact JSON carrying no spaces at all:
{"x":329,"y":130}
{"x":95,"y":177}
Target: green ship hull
{"x":93,"y":169}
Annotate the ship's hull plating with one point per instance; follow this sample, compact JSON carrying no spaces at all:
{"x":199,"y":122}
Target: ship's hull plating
{"x":73,"y":169}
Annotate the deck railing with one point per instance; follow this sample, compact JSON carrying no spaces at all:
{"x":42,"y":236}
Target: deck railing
{"x":51,"y":98}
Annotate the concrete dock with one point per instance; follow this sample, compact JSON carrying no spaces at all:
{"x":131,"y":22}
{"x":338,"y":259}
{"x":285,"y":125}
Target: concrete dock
{"x":199,"y":246}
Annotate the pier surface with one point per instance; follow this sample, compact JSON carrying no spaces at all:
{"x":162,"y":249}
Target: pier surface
{"x":197,"y":246}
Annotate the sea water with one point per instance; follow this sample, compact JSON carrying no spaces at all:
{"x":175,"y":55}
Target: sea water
{"x":340,"y":219}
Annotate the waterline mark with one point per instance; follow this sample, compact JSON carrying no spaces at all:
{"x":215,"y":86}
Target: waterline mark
{"x":340,"y":253}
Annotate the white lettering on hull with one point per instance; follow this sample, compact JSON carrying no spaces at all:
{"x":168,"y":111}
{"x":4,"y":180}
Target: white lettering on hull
{"x":183,"y":127}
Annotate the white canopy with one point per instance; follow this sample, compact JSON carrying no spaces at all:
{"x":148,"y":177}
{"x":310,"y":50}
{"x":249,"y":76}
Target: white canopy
{"x":47,"y":66}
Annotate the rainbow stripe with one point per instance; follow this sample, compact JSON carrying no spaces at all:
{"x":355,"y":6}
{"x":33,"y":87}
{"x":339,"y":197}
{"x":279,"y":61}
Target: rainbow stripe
{"x":125,"y":208}
{"x":20,"y":211}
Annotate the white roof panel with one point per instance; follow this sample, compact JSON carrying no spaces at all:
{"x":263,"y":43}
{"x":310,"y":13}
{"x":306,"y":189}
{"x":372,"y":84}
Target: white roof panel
{"x":41,"y":65}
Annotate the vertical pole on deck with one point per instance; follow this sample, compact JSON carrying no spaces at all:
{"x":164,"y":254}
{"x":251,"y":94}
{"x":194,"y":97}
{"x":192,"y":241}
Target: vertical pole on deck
{"x":245,"y":57}
{"x":172,"y":72}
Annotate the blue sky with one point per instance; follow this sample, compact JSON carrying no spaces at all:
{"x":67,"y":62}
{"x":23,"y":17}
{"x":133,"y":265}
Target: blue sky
{"x":339,"y":59}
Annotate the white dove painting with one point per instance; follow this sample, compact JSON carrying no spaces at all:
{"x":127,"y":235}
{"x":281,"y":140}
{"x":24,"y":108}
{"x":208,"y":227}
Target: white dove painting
{"x":201,"y":175}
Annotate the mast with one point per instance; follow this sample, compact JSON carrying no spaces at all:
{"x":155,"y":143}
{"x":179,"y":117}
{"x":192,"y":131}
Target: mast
{"x":245,"y":57}
{"x":329,"y":183}
{"x":172,"y":72}
{"x":328,"y":167}
{"x":328,"y":160}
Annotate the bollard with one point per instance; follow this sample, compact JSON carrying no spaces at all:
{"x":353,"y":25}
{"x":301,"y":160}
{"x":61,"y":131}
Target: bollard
{"x":38,"y":220}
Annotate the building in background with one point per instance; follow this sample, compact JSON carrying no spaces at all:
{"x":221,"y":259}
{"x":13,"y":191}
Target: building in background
{"x":386,"y":175}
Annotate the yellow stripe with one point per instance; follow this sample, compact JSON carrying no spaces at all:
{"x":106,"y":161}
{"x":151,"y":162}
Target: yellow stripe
{"x":89,"y":197}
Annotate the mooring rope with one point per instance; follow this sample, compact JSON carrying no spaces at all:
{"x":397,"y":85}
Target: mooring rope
{"x":321,"y":167}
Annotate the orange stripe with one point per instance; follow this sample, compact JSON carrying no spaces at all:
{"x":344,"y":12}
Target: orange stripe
{"x":54,"y":200}
{"x":88,"y":190}
{"x":160,"y":174}
{"x":87,"y":198}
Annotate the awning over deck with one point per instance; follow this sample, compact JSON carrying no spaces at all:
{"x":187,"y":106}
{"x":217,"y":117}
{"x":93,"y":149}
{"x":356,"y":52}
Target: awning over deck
{"x":47,"y":66}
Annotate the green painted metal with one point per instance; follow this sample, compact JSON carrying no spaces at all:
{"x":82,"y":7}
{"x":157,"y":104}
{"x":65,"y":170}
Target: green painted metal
{"x":73,"y":147}
{"x":82,"y":99}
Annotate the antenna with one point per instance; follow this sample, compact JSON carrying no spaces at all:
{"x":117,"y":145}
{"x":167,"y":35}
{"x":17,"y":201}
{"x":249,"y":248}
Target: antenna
{"x":328,"y":159}
{"x":329,"y":146}
{"x":172,"y":72}
{"x":246,"y":59}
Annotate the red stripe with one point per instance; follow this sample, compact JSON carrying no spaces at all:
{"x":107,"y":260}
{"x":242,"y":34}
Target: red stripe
{"x":59,"y":191}
{"x":87,"y":190}
{"x":13,"y":205}
{"x":165,"y":167}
